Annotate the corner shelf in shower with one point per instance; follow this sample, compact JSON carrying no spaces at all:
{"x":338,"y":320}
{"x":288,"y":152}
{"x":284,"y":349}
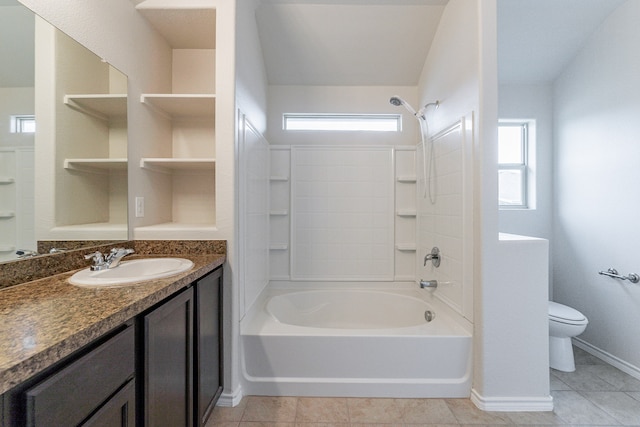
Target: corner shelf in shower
{"x":406,"y":247}
{"x":279,"y":178}
{"x":5,"y":180}
{"x":279,"y":247}
{"x":7,"y":214}
{"x":102,"y":106}
{"x":407,"y":179}
{"x":279,"y":213}
{"x":407,"y":212}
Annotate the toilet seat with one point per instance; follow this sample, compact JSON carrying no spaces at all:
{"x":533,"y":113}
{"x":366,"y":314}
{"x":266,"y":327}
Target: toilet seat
{"x":564,"y":314}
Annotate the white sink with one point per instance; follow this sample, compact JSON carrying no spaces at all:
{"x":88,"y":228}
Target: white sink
{"x":133,"y":271}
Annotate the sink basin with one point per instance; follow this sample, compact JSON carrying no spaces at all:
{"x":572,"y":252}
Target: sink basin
{"x":133,"y":271}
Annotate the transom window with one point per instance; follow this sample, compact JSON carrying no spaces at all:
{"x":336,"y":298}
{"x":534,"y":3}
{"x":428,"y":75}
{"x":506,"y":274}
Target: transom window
{"x":513,"y":140}
{"x":23,"y":124}
{"x":343,"y":122}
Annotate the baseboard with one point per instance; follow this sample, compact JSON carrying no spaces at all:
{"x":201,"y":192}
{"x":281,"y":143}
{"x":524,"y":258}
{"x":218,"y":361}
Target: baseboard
{"x":512,"y":404}
{"x":612,"y":360}
{"x":230,"y":399}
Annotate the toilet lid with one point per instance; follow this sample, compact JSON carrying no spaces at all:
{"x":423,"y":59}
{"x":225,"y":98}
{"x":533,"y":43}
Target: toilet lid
{"x":562,"y":312}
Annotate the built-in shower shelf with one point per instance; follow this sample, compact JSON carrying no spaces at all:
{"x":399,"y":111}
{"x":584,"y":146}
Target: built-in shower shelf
{"x":281,"y":247}
{"x":7,"y":214}
{"x":407,"y":212}
{"x":279,"y":178}
{"x":279,"y":213}
{"x":407,"y":179}
{"x":406,"y":247}
{"x":6,"y":180}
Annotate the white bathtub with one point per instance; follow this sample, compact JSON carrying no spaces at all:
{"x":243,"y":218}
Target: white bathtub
{"x":367,"y":343}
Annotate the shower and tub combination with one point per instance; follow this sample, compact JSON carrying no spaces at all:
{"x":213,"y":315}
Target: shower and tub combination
{"x":355,"y":342}
{"x":306,"y":334}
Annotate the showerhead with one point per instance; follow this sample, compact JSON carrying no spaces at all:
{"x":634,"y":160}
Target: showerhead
{"x":397,"y":101}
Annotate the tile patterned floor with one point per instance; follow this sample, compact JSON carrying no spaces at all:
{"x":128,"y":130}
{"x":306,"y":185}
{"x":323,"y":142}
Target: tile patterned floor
{"x":596,"y":394}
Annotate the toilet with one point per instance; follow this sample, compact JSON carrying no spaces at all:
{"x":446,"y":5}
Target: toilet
{"x":564,"y":323}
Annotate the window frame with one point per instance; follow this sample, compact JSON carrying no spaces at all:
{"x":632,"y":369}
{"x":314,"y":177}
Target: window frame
{"x":523,"y":166}
{"x":19,"y":121}
{"x":320,"y":117}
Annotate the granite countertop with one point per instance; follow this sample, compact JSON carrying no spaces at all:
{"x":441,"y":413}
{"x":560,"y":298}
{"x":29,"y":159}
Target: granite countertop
{"x":44,"y":320}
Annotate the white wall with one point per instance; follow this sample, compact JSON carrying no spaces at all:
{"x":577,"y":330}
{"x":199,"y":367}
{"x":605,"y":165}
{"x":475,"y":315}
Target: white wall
{"x":597,"y":105}
{"x":461,"y":72}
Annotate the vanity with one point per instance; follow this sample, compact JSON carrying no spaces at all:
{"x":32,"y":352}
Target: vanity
{"x":144,"y":354}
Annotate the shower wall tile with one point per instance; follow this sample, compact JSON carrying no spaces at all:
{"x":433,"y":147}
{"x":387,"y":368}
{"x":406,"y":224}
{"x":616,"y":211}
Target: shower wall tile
{"x":441,"y":223}
{"x":342,"y":213}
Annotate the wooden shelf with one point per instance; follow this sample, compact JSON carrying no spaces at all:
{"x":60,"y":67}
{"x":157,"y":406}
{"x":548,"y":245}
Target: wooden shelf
{"x":184,"y":24}
{"x":168,"y":164}
{"x":182,"y":105}
{"x":102,"y":106}
{"x":96,"y":165}
{"x":175,"y":230}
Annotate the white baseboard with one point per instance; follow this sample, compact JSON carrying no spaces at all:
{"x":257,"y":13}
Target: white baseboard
{"x":512,"y":404}
{"x":612,"y":360}
{"x":230,"y":399}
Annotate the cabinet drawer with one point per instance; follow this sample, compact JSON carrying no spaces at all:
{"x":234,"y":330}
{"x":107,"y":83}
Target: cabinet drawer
{"x":73,"y":393}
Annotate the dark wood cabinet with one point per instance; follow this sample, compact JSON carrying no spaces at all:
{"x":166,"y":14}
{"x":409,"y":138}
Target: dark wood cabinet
{"x":167,"y":368}
{"x":208,"y":339}
{"x":83,"y":390}
{"x":162,"y":368}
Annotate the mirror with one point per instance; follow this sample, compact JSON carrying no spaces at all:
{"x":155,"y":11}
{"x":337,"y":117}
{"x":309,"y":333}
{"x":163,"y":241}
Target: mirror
{"x":67,"y":181}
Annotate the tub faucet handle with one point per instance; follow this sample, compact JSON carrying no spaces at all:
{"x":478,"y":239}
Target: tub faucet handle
{"x":433,"y":256}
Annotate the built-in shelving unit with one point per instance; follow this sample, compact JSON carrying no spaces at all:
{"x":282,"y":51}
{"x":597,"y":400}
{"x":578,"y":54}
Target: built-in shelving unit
{"x":406,"y":214}
{"x":279,"y":213}
{"x":183,"y":181}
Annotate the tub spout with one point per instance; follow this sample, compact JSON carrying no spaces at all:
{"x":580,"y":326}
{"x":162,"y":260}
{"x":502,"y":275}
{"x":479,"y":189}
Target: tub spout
{"x":432,"y":284}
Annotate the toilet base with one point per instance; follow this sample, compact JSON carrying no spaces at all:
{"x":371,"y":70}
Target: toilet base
{"x":561,"y":354}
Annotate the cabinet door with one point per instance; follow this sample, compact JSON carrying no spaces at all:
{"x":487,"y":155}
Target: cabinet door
{"x":119,"y":411}
{"x":208,"y":349}
{"x":168,"y":342}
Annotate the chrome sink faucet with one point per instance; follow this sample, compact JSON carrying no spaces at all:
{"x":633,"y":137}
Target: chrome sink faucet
{"x":111,"y":261}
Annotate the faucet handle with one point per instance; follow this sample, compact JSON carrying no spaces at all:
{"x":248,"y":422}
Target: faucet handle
{"x":98,"y":260}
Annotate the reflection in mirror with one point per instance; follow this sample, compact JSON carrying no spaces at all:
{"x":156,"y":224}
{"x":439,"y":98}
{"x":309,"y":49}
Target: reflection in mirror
{"x":67,"y":181}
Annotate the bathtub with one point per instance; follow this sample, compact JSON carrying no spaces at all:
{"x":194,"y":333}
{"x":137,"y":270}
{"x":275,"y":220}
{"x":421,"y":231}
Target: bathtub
{"x":366,"y":343}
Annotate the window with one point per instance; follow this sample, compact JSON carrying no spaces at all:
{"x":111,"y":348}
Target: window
{"x":343,"y":122}
{"x":23,"y":124}
{"x":513,"y":141}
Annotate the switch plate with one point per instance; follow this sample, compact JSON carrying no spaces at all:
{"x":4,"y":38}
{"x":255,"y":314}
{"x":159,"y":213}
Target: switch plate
{"x":139,"y":207}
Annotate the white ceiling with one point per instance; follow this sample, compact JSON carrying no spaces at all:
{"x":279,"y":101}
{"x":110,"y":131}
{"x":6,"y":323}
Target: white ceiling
{"x":348,"y":42}
{"x":538,"y":38}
